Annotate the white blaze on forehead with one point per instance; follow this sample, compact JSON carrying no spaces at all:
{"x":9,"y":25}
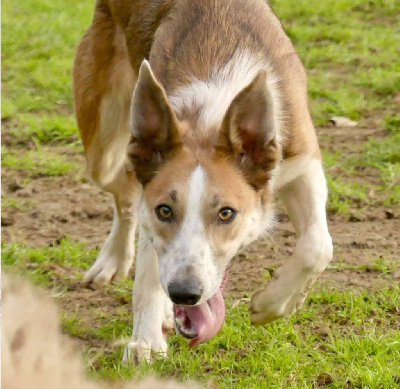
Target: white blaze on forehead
{"x":191,"y":249}
{"x":193,"y":221}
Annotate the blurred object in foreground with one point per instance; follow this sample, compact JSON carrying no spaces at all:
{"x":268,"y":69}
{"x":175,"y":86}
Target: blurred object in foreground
{"x":35,"y":354}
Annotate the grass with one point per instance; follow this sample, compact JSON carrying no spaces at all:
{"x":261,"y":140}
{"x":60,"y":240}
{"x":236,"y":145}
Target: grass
{"x":9,"y":202}
{"x":43,"y":128}
{"x":384,"y":154}
{"x":37,"y":162}
{"x":347,"y":46}
{"x":39,"y":40}
{"x":346,"y":193}
{"x":38,"y":45}
{"x":69,"y":254}
{"x":348,"y":338}
{"x":384,"y":266}
{"x":292,"y":355}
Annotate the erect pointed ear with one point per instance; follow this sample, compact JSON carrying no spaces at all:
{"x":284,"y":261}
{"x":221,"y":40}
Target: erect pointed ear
{"x":248,"y":133}
{"x":155,"y":135}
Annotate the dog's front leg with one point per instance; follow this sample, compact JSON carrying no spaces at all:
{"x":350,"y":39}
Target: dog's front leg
{"x":152,"y":309}
{"x":304,"y":199}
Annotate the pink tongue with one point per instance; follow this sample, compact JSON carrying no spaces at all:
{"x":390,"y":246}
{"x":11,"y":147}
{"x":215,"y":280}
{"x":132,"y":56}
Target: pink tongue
{"x":207,"y":318}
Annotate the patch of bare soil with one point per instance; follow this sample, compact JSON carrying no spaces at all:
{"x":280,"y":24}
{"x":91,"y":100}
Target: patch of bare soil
{"x":56,"y":207}
{"x":51,"y":208}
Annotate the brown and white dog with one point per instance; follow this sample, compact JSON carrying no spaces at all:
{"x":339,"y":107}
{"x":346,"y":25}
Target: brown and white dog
{"x":196,"y":143}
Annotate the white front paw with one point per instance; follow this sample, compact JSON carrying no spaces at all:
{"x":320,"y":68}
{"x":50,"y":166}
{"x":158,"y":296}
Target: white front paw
{"x":112,"y":264}
{"x":137,"y":351}
{"x":282,"y":297}
{"x":107,"y":269}
{"x":152,"y":322}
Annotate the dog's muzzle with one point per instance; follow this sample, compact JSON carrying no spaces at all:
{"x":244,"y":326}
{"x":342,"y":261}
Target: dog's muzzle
{"x":199,"y":322}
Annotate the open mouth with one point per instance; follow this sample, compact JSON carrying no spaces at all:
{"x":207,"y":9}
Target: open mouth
{"x":201,"y":322}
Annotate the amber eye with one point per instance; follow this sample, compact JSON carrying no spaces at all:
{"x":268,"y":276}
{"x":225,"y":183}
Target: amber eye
{"x":164,"y":213}
{"x":226,"y":215}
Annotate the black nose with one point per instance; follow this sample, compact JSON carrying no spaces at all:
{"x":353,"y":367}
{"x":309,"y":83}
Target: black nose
{"x":184,"y":292}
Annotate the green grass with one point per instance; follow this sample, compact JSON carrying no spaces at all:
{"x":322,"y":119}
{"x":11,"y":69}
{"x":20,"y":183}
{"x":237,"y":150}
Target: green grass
{"x":384,"y":266}
{"x":38,"y":162}
{"x":39,"y":40}
{"x":43,"y":128}
{"x":384,"y":153}
{"x":353,"y":336}
{"x":21,"y":205}
{"x":295,"y":353}
{"x":348,"y":48}
{"x":345,"y":193}
{"x":69,"y":254}
{"x":345,"y":196}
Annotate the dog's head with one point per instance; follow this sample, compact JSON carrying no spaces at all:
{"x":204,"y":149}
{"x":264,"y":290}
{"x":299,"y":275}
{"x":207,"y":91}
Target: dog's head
{"x":201,"y":204}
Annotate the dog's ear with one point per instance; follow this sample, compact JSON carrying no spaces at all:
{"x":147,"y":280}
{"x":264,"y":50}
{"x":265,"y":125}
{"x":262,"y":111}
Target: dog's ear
{"x":155,"y":134}
{"x":248,"y":133}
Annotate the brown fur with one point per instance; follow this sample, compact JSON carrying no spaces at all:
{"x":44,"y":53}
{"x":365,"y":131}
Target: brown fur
{"x":225,"y":187}
{"x":158,"y":137}
{"x":34,"y":353}
{"x":179,"y":52}
{"x":248,"y":134}
{"x":183,"y":40}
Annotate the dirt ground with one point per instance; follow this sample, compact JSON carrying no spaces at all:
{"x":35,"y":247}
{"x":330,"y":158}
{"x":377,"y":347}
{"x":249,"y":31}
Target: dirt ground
{"x":69,"y":206}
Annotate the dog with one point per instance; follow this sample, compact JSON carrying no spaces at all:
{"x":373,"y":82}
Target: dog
{"x":194,"y":115}
{"x":36,"y":355}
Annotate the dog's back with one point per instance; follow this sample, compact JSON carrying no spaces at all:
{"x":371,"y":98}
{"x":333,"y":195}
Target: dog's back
{"x":205,"y":39}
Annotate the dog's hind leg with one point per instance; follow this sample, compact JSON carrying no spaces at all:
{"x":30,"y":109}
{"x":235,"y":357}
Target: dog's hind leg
{"x":117,"y":254}
{"x":304,"y":199}
{"x":107,"y":166}
{"x":103,"y":87}
{"x":152,"y":309}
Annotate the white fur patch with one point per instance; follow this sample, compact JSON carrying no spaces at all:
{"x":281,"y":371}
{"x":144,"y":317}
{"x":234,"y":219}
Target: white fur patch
{"x":211,"y":98}
{"x":151,"y":307}
{"x":193,"y":222}
{"x":305,"y":202}
{"x":116,"y":256}
{"x":190,"y":253}
{"x":292,"y":168}
{"x":107,"y":154}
